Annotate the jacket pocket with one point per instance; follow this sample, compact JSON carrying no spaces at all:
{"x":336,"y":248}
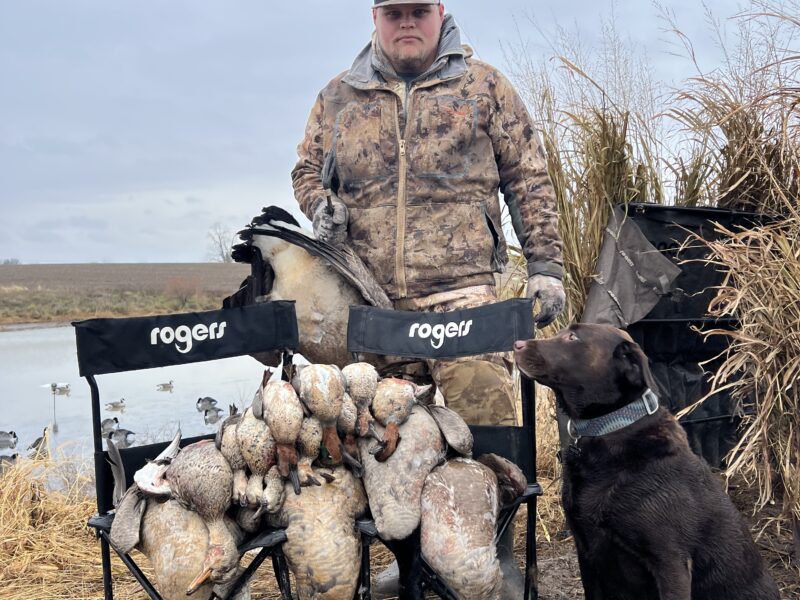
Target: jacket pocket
{"x":445,"y":134}
{"x":365,"y":143}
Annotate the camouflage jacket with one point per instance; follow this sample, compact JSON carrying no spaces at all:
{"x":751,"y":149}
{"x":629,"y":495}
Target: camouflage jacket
{"x":419,"y":167}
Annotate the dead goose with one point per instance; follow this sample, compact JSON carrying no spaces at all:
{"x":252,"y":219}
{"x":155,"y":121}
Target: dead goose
{"x":294,"y":258}
{"x":227,"y":443}
{"x":459,"y":508}
{"x":205,"y":403}
{"x":323,"y":548}
{"x":284,"y":415}
{"x":394,"y":487}
{"x":8,"y":439}
{"x":109,"y":425}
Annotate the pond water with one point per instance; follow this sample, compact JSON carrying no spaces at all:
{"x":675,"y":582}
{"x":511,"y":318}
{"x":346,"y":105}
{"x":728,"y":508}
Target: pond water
{"x":31,"y":359}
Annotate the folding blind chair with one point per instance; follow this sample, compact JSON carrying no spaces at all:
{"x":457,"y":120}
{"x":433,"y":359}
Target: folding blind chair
{"x":493,"y":328}
{"x":129,"y":344}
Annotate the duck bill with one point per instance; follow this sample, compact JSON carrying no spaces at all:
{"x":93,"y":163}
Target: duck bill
{"x":198,"y":581}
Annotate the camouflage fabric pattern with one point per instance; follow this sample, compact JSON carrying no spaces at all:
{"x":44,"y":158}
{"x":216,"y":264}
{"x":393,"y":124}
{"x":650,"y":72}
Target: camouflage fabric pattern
{"x":480,"y":388}
{"x":419,"y":168}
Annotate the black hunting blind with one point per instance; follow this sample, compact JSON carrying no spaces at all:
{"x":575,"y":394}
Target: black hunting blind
{"x":127,"y":344}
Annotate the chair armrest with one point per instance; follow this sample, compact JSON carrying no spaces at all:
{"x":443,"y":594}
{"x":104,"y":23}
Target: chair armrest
{"x":264,"y":539}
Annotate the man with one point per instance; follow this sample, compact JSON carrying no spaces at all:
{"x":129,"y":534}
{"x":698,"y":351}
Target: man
{"x":418,"y":137}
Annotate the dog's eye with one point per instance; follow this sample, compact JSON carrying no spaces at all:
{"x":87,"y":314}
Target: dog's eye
{"x":570,"y":336}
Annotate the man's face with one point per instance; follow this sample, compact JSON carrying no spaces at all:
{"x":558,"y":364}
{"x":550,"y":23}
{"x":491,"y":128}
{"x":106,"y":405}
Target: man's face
{"x":409,"y":34}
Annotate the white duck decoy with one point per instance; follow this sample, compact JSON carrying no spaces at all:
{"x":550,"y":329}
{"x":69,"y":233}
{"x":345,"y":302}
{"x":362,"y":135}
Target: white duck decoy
{"x":165,"y":387}
{"x":323,"y":547}
{"x":60,"y":389}
{"x":322,"y":279}
{"x":205,"y":403}
{"x":8,"y":439}
{"x":212,"y":415}
{"x":109,"y":425}
{"x":116,"y":405}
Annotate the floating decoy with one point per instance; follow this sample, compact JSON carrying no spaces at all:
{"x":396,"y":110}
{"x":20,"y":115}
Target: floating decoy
{"x":394,"y":487}
{"x":109,"y":425}
{"x":323,"y":280}
{"x":39,"y":447}
{"x":212,"y":415}
{"x":116,"y":405}
{"x":165,"y":387}
{"x":61,"y":389}
{"x":7,"y":461}
{"x":8,"y":439}
{"x":123,"y":438}
{"x":205,"y":403}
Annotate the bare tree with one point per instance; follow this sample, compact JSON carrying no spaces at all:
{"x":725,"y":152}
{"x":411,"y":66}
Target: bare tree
{"x":220,"y":241}
{"x":10,"y":261}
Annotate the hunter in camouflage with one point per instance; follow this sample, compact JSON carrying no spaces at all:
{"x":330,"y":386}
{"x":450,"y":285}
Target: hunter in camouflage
{"x":418,"y":162}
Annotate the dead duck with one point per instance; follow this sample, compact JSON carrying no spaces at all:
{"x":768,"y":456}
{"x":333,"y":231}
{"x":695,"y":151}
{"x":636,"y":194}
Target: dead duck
{"x":228,"y":443}
{"x":201,"y":480}
{"x":256,"y":445}
{"x":362,"y":381}
{"x":205,"y":403}
{"x":294,"y":259}
{"x":284,"y":415}
{"x":322,"y":390}
{"x":323,"y":547}
{"x":309,"y":441}
{"x":391,"y":406}
{"x":347,"y":427}
{"x":8,"y":439}
{"x":109,"y":425}
{"x":394,"y":486}
{"x":174,"y":538}
{"x":212,"y":416}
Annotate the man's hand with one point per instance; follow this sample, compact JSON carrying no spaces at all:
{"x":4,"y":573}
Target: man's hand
{"x":550,"y":293}
{"x":328,"y":226}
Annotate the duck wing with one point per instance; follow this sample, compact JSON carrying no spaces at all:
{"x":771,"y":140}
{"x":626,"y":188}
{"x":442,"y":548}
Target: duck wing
{"x":273,"y":222}
{"x":453,"y":428}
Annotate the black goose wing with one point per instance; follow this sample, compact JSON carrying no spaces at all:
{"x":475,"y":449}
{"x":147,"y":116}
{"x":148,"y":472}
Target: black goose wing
{"x":276,"y":222}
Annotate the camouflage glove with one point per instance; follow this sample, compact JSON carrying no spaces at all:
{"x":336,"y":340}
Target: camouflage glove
{"x":550,"y":293}
{"x":331,"y":227}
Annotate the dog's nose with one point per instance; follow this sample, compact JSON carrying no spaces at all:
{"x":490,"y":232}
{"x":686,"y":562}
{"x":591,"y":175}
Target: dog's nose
{"x":519,"y":345}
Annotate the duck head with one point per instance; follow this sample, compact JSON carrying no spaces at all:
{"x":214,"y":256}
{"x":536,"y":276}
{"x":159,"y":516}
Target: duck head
{"x":219,"y":566}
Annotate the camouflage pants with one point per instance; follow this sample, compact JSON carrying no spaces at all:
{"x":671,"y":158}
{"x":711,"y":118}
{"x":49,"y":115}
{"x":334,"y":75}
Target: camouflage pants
{"x":480,"y":388}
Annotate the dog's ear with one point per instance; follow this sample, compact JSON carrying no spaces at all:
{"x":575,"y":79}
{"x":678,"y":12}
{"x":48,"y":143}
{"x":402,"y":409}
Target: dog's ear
{"x":633,"y":366}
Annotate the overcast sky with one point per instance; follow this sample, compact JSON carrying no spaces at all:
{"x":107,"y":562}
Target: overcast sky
{"x":128,"y":127}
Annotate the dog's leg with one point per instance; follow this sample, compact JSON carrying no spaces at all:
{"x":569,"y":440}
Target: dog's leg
{"x":673,"y":576}
{"x":591,"y":585}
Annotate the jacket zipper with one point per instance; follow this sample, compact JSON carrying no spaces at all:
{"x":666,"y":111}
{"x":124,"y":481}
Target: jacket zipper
{"x":400,"y":253}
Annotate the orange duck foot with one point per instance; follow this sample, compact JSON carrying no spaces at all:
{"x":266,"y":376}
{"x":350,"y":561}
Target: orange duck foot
{"x":391,"y":437}
{"x":287,"y":465}
{"x":330,"y":439}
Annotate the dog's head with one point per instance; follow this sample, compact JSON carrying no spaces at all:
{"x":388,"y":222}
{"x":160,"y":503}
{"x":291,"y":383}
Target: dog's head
{"x":594,"y":369}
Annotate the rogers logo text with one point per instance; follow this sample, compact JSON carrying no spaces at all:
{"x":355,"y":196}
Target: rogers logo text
{"x":439,"y":332}
{"x":183,"y":335}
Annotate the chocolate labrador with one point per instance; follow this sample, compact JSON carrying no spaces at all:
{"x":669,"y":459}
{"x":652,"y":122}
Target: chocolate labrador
{"x":650,"y":520}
